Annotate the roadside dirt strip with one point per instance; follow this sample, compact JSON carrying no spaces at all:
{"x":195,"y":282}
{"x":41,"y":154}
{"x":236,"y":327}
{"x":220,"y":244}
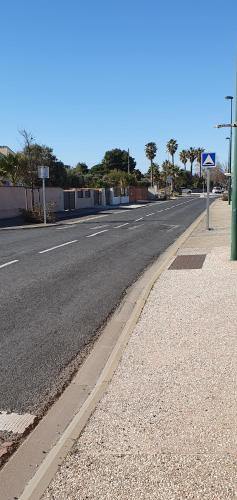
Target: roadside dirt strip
{"x":31,"y":468}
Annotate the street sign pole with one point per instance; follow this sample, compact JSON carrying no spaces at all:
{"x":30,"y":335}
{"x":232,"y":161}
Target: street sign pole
{"x":43,"y":173}
{"x":44,"y":200}
{"x":208,"y":199}
{"x":208,"y":160}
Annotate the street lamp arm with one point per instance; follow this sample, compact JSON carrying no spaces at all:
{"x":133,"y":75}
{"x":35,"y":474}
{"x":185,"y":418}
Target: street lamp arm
{"x":226,"y":125}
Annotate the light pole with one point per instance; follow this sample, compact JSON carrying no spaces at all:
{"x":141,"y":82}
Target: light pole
{"x":230,"y":98}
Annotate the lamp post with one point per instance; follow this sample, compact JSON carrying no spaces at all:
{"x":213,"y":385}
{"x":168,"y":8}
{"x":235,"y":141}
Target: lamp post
{"x":230,"y":98}
{"x":234,"y":197}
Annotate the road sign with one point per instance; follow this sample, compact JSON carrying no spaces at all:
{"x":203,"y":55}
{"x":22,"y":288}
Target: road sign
{"x":208,"y":160}
{"x":43,"y":172}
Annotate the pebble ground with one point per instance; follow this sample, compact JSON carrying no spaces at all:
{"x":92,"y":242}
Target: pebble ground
{"x":166,"y":427}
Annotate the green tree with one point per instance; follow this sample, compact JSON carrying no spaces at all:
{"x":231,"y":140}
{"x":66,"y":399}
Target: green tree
{"x":150,"y":150}
{"x":80,"y":168}
{"x":117,"y":159}
{"x":172,"y":147}
{"x":13,"y":168}
{"x":192,"y":155}
{"x":183,"y":156}
{"x":199,"y":152}
{"x":155,"y":173}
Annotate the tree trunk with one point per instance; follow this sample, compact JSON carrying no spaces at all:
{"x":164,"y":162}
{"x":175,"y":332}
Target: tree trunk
{"x":191,"y":169}
{"x":152,"y":181}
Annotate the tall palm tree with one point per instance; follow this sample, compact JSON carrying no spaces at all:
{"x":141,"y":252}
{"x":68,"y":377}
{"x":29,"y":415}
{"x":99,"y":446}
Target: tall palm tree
{"x":172,"y":147}
{"x":192,"y":155}
{"x":150,"y":150}
{"x":199,"y":152}
{"x":183,"y":156}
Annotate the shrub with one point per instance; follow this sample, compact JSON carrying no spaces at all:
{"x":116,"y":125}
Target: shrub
{"x":225,"y":197}
{"x":36,"y":214}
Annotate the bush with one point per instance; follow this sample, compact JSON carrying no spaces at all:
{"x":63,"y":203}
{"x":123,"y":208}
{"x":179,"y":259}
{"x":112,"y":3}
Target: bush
{"x":36,"y":214}
{"x":225,"y":197}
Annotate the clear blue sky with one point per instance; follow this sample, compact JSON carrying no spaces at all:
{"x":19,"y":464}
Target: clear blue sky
{"x":85,"y":76}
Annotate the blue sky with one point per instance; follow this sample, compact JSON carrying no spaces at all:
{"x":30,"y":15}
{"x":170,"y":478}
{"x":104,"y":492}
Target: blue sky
{"x":88,"y":76}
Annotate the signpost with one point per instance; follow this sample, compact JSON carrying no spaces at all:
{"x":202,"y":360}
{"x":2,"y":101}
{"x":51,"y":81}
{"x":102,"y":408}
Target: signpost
{"x":208,"y":161}
{"x":43,"y":173}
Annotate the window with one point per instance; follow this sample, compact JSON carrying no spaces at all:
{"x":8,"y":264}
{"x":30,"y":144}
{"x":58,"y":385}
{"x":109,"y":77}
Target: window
{"x":87,"y":193}
{"x":79,"y":194}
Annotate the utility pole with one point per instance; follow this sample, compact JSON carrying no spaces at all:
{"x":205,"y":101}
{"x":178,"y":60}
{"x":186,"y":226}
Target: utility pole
{"x":230,"y":98}
{"x":234,"y":196}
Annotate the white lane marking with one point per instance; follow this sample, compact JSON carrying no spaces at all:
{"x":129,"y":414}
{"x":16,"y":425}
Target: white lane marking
{"x":58,"y":246}
{"x":95,"y":234}
{"x":8,"y":263}
{"x":86,"y":220}
{"x":121,"y":225}
{"x":134,"y":227}
{"x":171,"y":228}
{"x":148,"y":215}
{"x":65,"y":227}
{"x":98,"y":227}
{"x":13,"y":422}
{"x":140,"y":218}
{"x":174,"y":206}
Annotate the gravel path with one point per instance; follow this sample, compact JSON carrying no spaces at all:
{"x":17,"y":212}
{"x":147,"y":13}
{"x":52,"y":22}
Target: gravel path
{"x":166,"y":428}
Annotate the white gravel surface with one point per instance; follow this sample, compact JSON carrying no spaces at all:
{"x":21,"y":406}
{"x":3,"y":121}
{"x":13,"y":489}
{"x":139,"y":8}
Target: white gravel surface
{"x":166,"y":428}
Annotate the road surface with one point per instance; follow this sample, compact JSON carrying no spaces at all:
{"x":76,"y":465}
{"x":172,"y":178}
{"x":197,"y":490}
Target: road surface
{"x":59,"y":284}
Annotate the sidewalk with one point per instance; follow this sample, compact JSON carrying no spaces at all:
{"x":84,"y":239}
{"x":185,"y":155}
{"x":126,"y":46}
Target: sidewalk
{"x":166,"y":427}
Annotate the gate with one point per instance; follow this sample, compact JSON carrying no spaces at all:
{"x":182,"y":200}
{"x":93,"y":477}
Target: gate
{"x":107,"y":196}
{"x":69,"y":200}
{"x":97,"y":197}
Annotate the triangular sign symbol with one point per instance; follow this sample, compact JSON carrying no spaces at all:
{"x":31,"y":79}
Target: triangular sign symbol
{"x":208,"y":161}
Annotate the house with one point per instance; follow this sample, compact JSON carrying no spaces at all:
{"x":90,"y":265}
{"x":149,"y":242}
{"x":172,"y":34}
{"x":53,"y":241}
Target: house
{"x":5,"y":150}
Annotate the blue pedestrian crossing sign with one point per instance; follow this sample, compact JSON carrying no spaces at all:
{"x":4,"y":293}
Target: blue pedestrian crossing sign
{"x":208,"y":160}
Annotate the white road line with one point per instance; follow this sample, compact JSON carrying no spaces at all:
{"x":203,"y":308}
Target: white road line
{"x":65,"y":227}
{"x":134,"y":227}
{"x":98,"y":227}
{"x":95,"y":234}
{"x":140,"y":218}
{"x":148,"y":215}
{"x":58,"y":246}
{"x":8,"y":263}
{"x":121,"y":225}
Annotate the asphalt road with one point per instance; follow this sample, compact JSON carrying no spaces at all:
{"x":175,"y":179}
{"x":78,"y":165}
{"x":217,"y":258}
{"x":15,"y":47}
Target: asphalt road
{"x":59,"y":284}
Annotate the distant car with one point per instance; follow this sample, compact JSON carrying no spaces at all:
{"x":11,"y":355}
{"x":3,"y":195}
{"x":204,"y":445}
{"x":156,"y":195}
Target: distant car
{"x":217,"y":190}
{"x":186,"y":191}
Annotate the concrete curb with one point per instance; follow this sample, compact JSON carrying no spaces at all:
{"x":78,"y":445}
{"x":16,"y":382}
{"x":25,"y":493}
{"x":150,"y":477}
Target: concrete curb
{"x":46,"y":471}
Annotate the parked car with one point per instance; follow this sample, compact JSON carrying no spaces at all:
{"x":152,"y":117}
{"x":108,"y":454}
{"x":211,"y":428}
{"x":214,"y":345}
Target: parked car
{"x":217,"y":190}
{"x":186,"y":191}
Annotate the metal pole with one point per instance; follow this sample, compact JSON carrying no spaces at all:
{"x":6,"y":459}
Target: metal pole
{"x":230,"y":152}
{"x":44,"y":201}
{"x":208,"y":200}
{"x":234,"y":197}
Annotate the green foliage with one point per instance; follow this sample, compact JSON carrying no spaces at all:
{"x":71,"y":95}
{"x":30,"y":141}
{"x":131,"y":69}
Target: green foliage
{"x":172,"y":147}
{"x":183,"y":156}
{"x":117,"y":159}
{"x":13,"y":168}
{"x":150,"y":150}
{"x":80,"y":168}
{"x":192,"y":155}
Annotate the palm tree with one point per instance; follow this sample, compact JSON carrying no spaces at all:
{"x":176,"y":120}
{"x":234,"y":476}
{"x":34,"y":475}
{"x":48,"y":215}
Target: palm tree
{"x":192,"y":155}
{"x":172,"y":147}
{"x":150,"y":150}
{"x":199,"y":152}
{"x":183,"y":156}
